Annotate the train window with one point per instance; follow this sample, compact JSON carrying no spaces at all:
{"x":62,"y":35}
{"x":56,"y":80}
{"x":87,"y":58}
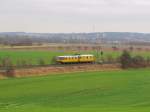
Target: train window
{"x":61,"y":58}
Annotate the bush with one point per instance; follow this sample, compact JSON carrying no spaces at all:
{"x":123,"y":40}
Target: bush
{"x":41,"y":62}
{"x":126,"y":59}
{"x":10,"y":71}
{"x":53,"y":60}
{"x":24,"y":63}
{"x":6,"y":62}
{"x":110,"y":59}
{"x":148,"y":60}
{"x":8,"y":66}
{"x":138,"y":61}
{"x":132,"y":62}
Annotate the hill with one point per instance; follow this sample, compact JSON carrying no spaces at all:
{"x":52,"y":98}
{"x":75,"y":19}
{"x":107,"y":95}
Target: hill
{"x":23,"y":38}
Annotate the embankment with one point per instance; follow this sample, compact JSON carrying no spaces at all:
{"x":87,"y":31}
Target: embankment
{"x":40,"y":71}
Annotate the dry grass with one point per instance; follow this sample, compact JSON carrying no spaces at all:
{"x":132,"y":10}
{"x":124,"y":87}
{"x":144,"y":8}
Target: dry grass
{"x":40,"y":71}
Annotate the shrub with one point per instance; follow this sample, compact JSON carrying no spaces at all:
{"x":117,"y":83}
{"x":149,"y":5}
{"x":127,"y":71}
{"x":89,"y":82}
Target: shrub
{"x":138,"y":61}
{"x":8,"y":66}
{"x":53,"y":60}
{"x":23,"y":63}
{"x":133,"y":62}
{"x":10,"y":71}
{"x":41,"y":62}
{"x":126,"y":59}
{"x":148,"y":60}
{"x":6,"y":62}
{"x":110,"y":59}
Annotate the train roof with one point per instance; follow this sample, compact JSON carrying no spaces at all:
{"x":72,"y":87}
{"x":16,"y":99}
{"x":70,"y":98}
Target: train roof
{"x":68,"y":56}
{"x":87,"y":55}
{"x":76,"y":55}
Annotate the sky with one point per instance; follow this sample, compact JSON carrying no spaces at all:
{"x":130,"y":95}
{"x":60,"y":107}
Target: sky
{"x":58,"y":16}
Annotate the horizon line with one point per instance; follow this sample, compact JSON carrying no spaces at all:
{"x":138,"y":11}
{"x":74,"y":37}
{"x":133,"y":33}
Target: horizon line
{"x":72,"y":32}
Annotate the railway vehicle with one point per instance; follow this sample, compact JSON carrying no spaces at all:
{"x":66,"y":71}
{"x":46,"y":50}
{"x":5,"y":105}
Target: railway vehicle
{"x":88,"y":58}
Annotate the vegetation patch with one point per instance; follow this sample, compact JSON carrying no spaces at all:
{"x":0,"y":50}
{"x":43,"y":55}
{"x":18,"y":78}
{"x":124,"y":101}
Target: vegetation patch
{"x":128,"y":61}
{"x":122,"y":91}
{"x":27,"y":58}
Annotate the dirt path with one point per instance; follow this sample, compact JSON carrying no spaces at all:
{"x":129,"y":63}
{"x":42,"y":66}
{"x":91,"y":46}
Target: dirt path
{"x":39,"y":71}
{"x":53,"y":70}
{"x":1,"y":76}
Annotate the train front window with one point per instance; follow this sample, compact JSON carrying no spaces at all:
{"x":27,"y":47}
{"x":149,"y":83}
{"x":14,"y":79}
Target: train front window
{"x":61,"y":58}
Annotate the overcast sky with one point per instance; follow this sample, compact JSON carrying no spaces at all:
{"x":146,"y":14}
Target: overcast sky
{"x":74,"y":15}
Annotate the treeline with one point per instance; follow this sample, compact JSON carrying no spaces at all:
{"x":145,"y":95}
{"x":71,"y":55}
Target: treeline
{"x":16,"y":41}
{"x":28,"y":39}
{"x":22,"y":38}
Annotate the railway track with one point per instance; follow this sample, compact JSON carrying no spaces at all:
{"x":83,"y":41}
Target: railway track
{"x":50,"y":65}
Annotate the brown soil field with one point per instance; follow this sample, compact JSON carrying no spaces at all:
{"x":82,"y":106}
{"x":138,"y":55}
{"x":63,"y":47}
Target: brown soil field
{"x":81,"y":47}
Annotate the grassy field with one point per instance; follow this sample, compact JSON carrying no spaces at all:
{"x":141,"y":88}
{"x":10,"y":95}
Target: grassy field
{"x":33,"y":56}
{"x":30,"y":56}
{"x":117,"y":91}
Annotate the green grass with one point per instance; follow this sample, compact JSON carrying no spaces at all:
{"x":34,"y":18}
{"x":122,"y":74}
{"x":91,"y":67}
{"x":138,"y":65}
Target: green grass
{"x":117,"y":91}
{"x":29,"y":56}
{"x":33,"y":56}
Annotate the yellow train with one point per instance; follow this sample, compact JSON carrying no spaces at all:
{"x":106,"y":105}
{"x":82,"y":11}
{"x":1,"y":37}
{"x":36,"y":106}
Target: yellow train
{"x":89,"y":58}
